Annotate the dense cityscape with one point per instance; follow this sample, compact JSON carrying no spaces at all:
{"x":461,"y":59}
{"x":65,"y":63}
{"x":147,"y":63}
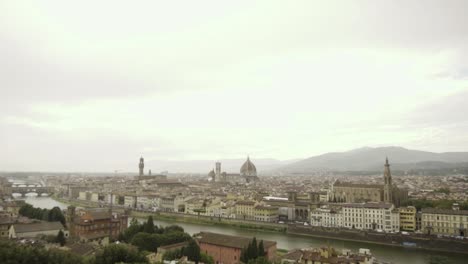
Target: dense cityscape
{"x":411,"y":211}
{"x":234,"y":132}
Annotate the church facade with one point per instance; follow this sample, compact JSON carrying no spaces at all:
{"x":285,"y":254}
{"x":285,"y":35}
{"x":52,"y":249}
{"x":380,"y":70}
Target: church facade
{"x":357,"y":193}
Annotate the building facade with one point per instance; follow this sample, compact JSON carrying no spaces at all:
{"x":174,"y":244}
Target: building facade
{"x":358,"y":193}
{"x":372,"y":216}
{"x":227,"y":249}
{"x":326,"y":217}
{"x":408,"y":218}
{"x":444,"y":222}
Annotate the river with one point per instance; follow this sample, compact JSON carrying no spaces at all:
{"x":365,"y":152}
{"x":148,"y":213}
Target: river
{"x":288,"y":241}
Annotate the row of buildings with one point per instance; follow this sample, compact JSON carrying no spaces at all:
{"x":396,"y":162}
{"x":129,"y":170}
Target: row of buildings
{"x":385,"y":217}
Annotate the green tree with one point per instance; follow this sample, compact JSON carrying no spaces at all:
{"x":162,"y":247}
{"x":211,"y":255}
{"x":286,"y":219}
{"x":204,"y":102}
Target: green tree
{"x":149,"y":226}
{"x":259,"y":260}
{"x":192,"y":251}
{"x":261,"y":249}
{"x":173,"y":254}
{"x":132,"y":230}
{"x":116,"y":253}
{"x":207,"y":259}
{"x":61,"y":238}
{"x":254,"y":248}
{"x":243,"y":257}
{"x":146,"y":241}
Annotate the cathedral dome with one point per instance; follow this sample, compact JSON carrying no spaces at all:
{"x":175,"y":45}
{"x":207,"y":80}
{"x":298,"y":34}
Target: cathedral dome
{"x":248,"y":168}
{"x":211,"y":174}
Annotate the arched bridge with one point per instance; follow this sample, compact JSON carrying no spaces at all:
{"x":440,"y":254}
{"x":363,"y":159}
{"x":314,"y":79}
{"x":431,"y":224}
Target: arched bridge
{"x":25,"y":190}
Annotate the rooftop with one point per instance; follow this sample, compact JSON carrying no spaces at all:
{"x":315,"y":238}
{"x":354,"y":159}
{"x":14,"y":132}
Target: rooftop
{"x":35,"y":227}
{"x":229,"y":241}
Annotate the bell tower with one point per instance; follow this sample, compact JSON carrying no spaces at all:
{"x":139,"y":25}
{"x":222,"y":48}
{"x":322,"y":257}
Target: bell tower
{"x":141,"y":165}
{"x":387,"y":183}
{"x":218,"y":171}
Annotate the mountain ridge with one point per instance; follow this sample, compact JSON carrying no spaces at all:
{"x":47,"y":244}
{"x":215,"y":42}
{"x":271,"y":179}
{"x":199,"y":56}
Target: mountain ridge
{"x":369,"y":159}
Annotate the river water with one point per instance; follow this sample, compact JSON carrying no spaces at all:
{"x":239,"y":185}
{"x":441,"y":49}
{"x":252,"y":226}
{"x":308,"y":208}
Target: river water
{"x":288,"y":241}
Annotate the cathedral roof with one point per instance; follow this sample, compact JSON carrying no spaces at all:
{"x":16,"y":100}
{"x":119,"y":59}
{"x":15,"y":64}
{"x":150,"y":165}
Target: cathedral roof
{"x":211,"y":173}
{"x":248,"y":168}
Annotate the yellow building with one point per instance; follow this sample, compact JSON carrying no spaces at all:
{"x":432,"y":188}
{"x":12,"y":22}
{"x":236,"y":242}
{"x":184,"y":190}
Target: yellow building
{"x":408,"y":218}
{"x":245,"y":210}
{"x":445,"y":222}
{"x":266,"y":213}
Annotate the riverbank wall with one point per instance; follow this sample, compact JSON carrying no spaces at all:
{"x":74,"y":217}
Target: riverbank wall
{"x":209,"y":220}
{"x":387,"y":239}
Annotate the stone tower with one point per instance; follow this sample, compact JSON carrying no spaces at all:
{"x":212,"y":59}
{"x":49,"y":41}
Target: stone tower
{"x":71,"y":219}
{"x":387,"y":183}
{"x":218,"y":171}
{"x":141,"y":166}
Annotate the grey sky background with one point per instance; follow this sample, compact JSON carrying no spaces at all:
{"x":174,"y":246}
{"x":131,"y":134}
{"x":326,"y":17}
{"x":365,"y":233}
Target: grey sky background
{"x":92,"y":85}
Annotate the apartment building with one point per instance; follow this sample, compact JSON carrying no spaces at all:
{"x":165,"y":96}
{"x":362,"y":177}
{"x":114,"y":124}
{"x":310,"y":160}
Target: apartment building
{"x":408,"y":218}
{"x":326,"y":217}
{"x":374,"y":216}
{"x":444,"y":222}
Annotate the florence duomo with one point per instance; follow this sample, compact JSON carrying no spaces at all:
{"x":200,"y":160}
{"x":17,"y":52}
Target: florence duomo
{"x":248,"y":173}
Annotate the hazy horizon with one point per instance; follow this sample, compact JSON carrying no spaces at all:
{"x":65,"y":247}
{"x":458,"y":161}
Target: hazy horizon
{"x":92,"y":86}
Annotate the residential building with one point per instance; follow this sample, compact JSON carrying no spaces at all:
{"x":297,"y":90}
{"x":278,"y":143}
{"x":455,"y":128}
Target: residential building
{"x":266,"y":213}
{"x":326,"y":217}
{"x":227,"y":249}
{"x":95,"y":224}
{"x":382,"y":216}
{"x":34,"y":229}
{"x":408,"y":218}
{"x":245,"y":210}
{"x":445,"y":222}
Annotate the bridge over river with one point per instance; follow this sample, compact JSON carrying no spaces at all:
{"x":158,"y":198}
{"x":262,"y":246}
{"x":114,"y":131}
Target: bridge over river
{"x":25,"y":188}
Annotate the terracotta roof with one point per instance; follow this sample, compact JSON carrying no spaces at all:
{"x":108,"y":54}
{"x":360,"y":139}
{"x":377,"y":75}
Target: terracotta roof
{"x":295,"y":255}
{"x":369,"y":205}
{"x":35,"y":227}
{"x":229,"y":241}
{"x":357,"y":185}
{"x":248,"y":168}
{"x":174,"y":246}
{"x":444,"y":211}
{"x":245,"y":202}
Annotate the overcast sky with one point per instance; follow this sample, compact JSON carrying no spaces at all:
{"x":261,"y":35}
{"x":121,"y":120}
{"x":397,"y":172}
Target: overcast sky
{"x":92,"y":85}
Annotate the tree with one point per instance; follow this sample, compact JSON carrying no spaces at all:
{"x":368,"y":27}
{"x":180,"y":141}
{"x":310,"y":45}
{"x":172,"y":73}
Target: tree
{"x":261,"y":249}
{"x":192,"y":251}
{"x":61,"y":238}
{"x":132,"y":230}
{"x":254,"y":248}
{"x":173,"y":254}
{"x":149,"y":226}
{"x":115,"y":253}
{"x":207,"y":259}
{"x":259,"y":260}
{"x":243,"y":257}
{"x":146,"y":241}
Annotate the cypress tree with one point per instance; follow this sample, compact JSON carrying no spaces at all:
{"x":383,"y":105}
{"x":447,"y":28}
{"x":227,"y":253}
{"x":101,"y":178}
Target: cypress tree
{"x":149,"y":226}
{"x":261,"y":249}
{"x":61,"y":238}
{"x":254,"y":248}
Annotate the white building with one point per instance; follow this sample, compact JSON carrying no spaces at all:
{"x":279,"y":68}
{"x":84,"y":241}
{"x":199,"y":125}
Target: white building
{"x":374,"y":216}
{"x":326,"y":217}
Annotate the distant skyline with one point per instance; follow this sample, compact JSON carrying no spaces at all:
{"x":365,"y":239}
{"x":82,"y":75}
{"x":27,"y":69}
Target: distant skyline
{"x":91,"y":86}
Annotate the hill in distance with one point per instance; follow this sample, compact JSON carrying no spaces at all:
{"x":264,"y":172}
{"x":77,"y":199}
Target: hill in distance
{"x":373,"y":159}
